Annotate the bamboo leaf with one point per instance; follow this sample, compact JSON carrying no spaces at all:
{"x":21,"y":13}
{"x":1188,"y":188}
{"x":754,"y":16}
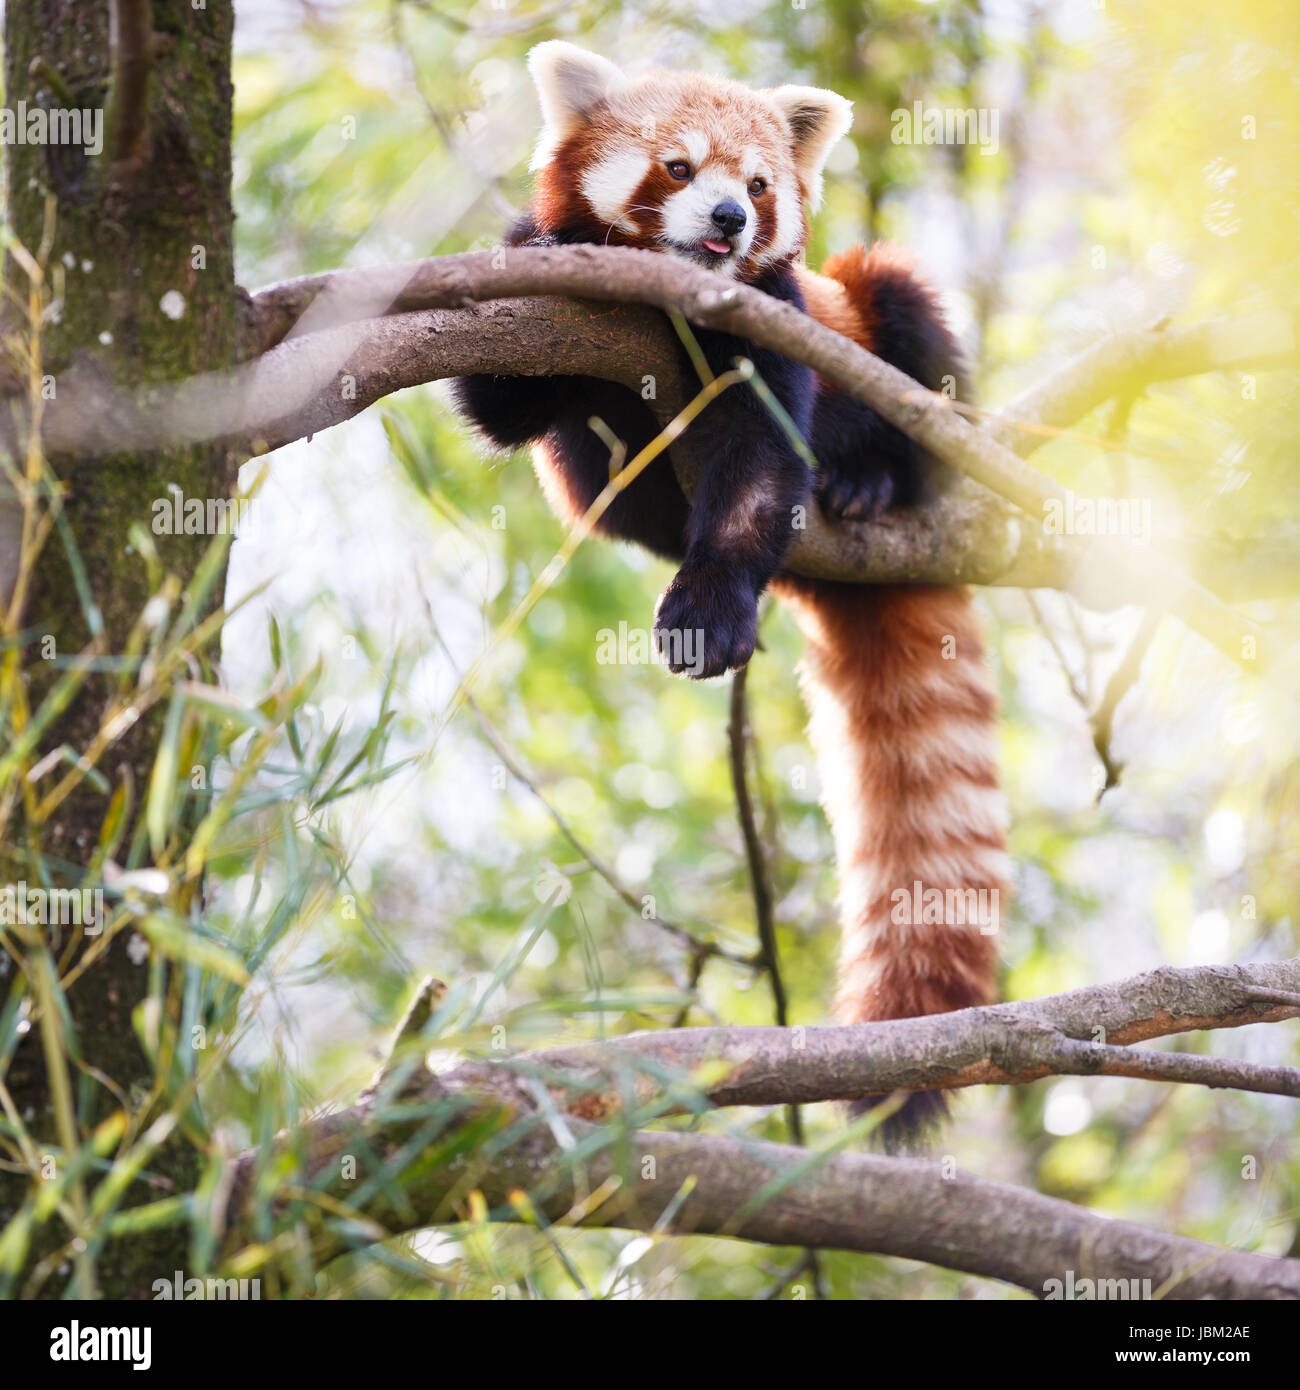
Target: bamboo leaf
{"x":162,"y":780}
{"x":181,"y":942}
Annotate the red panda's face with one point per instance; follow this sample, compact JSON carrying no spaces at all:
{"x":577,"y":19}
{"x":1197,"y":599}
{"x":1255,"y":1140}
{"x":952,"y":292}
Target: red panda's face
{"x":697,"y":167}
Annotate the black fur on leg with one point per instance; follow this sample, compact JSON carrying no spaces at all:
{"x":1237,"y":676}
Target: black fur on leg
{"x":743,"y":513}
{"x":512,"y":411}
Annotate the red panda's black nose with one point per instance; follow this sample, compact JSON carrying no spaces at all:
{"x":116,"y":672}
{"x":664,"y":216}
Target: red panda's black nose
{"x":729,"y":217}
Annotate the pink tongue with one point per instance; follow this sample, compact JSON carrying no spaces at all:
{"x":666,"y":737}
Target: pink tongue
{"x":719,"y":248}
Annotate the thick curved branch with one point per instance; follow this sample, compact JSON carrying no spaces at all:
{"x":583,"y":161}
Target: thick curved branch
{"x":310,"y":382}
{"x":340,"y":341}
{"x":1118,"y":570}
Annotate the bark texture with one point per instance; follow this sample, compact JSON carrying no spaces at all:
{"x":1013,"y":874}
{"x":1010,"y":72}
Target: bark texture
{"x":139,"y":268}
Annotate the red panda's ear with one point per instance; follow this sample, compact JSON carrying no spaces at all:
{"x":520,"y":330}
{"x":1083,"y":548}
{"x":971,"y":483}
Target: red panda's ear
{"x":817,"y":119}
{"x":569,"y":82}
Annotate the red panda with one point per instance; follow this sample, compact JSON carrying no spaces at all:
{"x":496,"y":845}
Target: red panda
{"x":902,"y":708}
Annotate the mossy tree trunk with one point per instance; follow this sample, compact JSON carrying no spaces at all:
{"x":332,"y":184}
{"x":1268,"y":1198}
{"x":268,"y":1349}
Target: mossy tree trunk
{"x":140,"y":272}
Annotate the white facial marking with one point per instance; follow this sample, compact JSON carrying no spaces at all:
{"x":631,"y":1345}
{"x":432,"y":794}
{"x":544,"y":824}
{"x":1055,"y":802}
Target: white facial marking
{"x":688,"y":218}
{"x":610,"y":183}
{"x":697,"y":146}
{"x":789,"y":226}
{"x":753,"y":165}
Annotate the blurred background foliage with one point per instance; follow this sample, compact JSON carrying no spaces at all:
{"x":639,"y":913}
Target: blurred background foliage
{"x":1145,"y":170}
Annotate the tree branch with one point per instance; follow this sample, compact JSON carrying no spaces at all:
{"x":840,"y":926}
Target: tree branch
{"x":579,"y":1174}
{"x":644,"y":277}
{"x":776,"y":1194}
{"x":1082,"y":1033}
{"x":981,"y":527}
{"x":1126,"y":362}
{"x":336,"y":343}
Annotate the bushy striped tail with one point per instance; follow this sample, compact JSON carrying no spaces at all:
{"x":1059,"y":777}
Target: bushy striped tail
{"x":902,"y":717}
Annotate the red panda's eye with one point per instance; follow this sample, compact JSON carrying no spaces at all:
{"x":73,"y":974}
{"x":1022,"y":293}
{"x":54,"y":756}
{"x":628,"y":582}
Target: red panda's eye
{"x":757,"y":186}
{"x":679,"y":169}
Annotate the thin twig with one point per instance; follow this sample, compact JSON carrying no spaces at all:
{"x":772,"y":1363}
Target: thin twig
{"x":1121,"y":682}
{"x":698,"y":948}
{"x":759,"y":881}
{"x":696,"y":972}
{"x":1048,"y":630}
{"x":408,"y":1032}
{"x":458,"y":149}
{"x":1276,"y":996}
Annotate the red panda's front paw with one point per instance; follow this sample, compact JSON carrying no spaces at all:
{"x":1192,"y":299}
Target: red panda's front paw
{"x":854,"y":495}
{"x":705,"y":622}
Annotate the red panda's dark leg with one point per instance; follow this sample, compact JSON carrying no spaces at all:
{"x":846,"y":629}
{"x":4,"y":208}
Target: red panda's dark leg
{"x":571,"y":459}
{"x":746,"y":505}
{"x":743,"y":517}
{"x":573,"y":464}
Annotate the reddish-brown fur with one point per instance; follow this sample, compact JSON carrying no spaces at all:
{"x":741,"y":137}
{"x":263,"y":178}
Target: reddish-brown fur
{"x":896,"y":686}
{"x":903,"y":723}
{"x":863,"y":273}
